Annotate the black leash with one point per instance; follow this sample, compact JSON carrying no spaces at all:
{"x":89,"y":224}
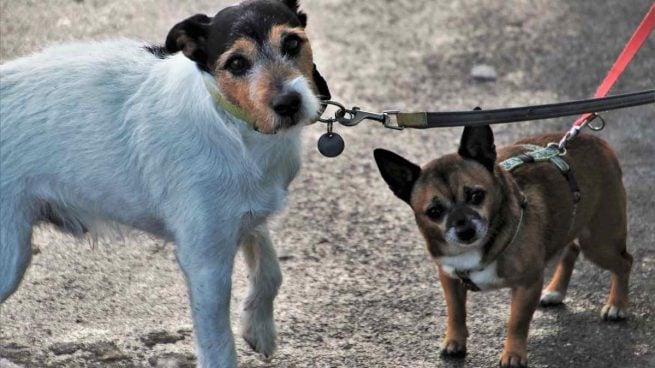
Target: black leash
{"x":331,"y":144}
{"x":424,"y":120}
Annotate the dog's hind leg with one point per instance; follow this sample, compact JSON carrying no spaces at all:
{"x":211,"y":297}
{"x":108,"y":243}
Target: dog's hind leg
{"x":265,"y":277}
{"x":15,"y":246}
{"x":609,"y":252}
{"x":555,"y":292}
{"x":604,"y":243}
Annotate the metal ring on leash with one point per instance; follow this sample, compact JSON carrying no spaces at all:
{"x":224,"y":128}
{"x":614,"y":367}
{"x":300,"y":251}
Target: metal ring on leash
{"x":339,"y":113}
{"x":561,"y":146}
{"x":594,"y":127}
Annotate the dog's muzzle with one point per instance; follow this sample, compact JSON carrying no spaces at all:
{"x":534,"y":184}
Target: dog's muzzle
{"x":287,"y":104}
{"x":465,"y":226}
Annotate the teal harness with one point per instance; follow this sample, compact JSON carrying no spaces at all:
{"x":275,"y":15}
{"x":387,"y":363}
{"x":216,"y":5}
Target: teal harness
{"x":539,"y":154}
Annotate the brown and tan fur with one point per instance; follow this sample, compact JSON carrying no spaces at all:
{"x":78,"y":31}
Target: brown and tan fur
{"x":521,"y":248}
{"x":252,"y":94}
{"x":260,"y":59}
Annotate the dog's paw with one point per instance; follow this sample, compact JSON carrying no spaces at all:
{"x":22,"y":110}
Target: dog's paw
{"x":613,"y":313}
{"x":513,"y":359}
{"x":551,"y":298}
{"x":452,"y":348}
{"x":258,"y":330}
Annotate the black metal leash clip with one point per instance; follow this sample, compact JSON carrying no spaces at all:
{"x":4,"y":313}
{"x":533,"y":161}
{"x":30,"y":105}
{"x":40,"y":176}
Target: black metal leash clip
{"x":331,"y":144}
{"x":355,"y":115}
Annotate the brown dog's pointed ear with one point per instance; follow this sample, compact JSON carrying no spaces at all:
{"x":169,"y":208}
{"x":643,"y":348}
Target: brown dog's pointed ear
{"x":190,"y":37}
{"x":321,"y":85}
{"x":478,"y":144}
{"x":399,"y":173}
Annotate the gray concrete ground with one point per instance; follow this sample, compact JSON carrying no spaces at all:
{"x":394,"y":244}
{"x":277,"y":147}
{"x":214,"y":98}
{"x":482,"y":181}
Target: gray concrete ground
{"x":359,"y":289}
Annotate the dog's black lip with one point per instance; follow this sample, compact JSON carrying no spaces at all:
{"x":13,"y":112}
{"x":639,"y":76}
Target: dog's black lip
{"x":467,"y":242}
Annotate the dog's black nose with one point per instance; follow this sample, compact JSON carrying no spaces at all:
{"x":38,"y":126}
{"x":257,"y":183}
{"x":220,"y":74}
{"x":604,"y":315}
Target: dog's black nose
{"x":465,"y":231}
{"x":287,"y":104}
{"x":466,"y":234}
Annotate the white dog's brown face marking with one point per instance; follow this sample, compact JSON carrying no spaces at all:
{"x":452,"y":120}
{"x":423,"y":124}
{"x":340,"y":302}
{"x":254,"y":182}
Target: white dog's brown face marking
{"x":254,"y":76}
{"x":261,"y":59}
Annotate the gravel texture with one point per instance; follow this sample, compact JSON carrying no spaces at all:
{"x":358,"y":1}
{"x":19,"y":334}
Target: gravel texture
{"x":359,"y":289}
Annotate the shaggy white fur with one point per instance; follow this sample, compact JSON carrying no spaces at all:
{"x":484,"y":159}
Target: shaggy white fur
{"x":108,"y":132}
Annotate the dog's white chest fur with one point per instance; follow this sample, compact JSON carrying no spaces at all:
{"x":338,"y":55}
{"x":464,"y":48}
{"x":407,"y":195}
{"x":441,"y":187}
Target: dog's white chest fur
{"x":278,"y":164}
{"x":469,"y":264}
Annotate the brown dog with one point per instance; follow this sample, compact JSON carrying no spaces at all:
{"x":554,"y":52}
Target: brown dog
{"x":488,"y":228}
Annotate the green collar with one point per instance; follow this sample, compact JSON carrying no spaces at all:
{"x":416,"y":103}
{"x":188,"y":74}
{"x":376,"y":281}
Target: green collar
{"x":230,"y":108}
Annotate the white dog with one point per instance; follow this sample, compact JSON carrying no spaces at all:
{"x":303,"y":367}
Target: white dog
{"x":197,"y":147}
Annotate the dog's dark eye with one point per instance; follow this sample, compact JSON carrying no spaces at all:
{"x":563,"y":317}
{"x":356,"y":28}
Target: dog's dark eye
{"x":435,"y":212}
{"x":291,"y":45}
{"x":237,"y":65}
{"x":475,"y":197}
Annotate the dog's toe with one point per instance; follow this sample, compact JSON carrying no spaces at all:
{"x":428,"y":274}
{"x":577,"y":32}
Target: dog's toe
{"x":551,"y":298}
{"x":513,"y":360}
{"x":613,"y":313}
{"x":453,"y":349}
{"x":263,"y":354}
{"x":250,"y":343}
{"x":258,"y":330}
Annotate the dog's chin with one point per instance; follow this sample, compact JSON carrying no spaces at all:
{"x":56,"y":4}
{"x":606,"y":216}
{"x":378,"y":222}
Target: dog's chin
{"x":283,"y":124}
{"x":313,"y":118}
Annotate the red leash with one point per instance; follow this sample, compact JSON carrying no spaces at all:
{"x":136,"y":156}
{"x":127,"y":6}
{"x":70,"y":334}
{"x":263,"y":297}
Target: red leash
{"x":636,"y":42}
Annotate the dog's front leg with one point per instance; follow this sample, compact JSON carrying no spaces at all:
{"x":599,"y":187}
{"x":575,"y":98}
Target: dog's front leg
{"x":265,"y":277}
{"x":454,"y":343}
{"x":524,"y":303}
{"x":206,"y":257}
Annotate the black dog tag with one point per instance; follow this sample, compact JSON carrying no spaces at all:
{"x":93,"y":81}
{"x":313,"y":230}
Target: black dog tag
{"x":330,"y":144}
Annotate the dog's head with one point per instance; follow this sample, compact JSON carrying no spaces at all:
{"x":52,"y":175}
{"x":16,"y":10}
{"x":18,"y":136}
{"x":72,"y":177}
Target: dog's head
{"x":453,"y":197}
{"x":260,"y":56}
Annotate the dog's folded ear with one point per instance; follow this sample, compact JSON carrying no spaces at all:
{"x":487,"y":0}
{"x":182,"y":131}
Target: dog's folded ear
{"x":293,"y":5}
{"x":478,"y":144}
{"x":321,"y":85}
{"x":399,"y":173}
{"x":190,"y":37}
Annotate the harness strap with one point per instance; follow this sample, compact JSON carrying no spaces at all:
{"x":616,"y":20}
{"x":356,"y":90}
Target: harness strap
{"x":549,"y":153}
